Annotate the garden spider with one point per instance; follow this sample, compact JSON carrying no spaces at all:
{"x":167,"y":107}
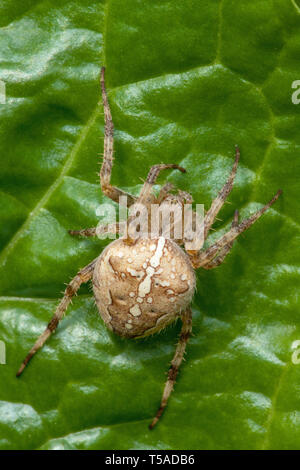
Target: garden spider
{"x":141,"y":285}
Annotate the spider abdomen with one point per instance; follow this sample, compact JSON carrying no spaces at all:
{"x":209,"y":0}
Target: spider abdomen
{"x":141,"y":288}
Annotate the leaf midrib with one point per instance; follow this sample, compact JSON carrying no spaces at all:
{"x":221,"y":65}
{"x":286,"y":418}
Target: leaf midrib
{"x":43,"y":201}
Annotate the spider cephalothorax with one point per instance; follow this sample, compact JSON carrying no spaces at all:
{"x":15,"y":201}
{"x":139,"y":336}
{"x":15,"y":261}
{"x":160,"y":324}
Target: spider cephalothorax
{"x":142,"y":284}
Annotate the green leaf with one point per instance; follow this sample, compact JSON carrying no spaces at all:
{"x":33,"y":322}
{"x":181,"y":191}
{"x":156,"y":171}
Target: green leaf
{"x":187,"y":81}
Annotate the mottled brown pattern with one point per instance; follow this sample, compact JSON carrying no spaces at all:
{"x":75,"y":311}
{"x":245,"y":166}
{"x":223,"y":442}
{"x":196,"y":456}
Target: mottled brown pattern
{"x":119,"y":274}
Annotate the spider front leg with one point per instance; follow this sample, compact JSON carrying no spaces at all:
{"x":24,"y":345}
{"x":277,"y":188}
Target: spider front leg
{"x":220,"y":199}
{"x":98,"y":231}
{"x":185,"y":333}
{"x":105,"y":173}
{"x":85,"y":232}
{"x":84,"y":275}
{"x":146,"y":195}
{"x":222,"y":246}
{"x":225,"y":250}
{"x":164,"y":191}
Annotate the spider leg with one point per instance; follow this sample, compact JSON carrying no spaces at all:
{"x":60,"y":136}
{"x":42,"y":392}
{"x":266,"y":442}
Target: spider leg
{"x":205,"y":257}
{"x":84,"y":275}
{"x":105,"y":173}
{"x":220,"y":199}
{"x":146,"y":196}
{"x":163,"y":193}
{"x":225,"y":250}
{"x":85,"y":232}
{"x":98,"y":231}
{"x":185,"y":333}
{"x":185,"y":197}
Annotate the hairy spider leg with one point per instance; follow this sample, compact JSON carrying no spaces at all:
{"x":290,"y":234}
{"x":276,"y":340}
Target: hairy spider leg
{"x":185,"y":334}
{"x":205,"y":257}
{"x":146,"y":195}
{"x":226,"y":248}
{"x":219,"y":201}
{"x":105,"y":173}
{"x":99,"y":230}
{"x":84,"y":275}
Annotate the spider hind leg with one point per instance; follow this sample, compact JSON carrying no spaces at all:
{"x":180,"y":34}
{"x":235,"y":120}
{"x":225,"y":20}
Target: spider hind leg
{"x":185,"y":333}
{"x":84,"y":275}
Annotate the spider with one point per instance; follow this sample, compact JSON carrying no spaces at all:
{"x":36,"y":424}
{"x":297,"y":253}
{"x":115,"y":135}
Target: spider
{"x":142,"y":285}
